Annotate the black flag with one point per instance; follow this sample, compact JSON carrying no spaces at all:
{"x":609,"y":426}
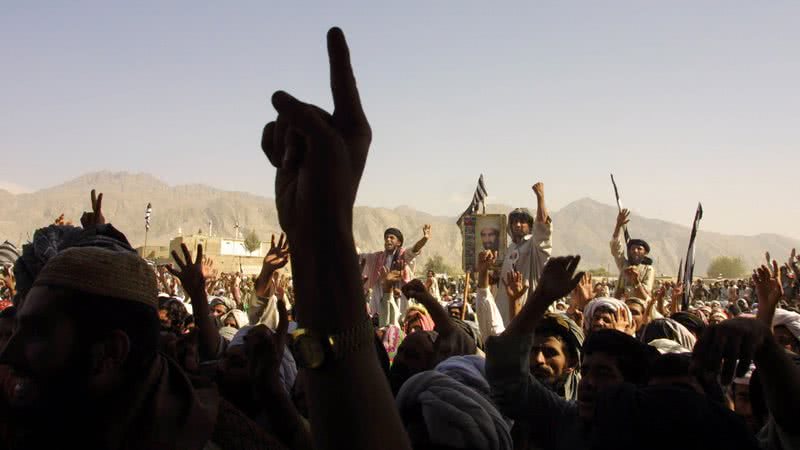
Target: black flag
{"x":478,"y":201}
{"x":688,"y":270}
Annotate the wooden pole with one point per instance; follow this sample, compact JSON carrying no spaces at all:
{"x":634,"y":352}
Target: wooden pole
{"x":466,"y":297}
{"x":144,"y":249}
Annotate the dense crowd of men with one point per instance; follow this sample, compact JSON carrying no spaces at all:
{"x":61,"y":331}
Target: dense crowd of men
{"x":343,"y":349}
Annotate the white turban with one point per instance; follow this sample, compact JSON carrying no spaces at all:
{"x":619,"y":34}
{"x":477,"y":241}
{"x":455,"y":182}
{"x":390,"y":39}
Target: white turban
{"x":607,"y":302}
{"x":789,"y":319}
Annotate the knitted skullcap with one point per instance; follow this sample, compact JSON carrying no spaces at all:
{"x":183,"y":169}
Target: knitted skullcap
{"x":102,"y":272}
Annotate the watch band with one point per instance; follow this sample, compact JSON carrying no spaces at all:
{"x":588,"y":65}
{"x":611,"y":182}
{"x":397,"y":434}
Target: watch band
{"x":352,"y":340}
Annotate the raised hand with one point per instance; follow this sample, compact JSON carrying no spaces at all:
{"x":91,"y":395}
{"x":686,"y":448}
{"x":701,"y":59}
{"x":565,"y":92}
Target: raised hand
{"x":623,"y":218}
{"x":515,"y":285}
{"x":583,"y":292}
{"x":191,"y":274}
{"x":722,"y":345}
{"x":95,"y":217}
{"x":486,"y":260}
{"x":207,"y":267}
{"x":416,"y":290}
{"x":558,"y":278}
{"x":538,"y":189}
{"x":769,"y":291}
{"x":620,"y":322}
{"x":426,"y":231}
{"x":278,"y":255}
{"x":320,"y":157}
{"x":60,"y":220}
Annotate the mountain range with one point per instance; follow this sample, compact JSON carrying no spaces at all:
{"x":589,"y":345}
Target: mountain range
{"x":583,"y":226}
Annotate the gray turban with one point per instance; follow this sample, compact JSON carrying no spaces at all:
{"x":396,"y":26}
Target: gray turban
{"x":452,"y":414}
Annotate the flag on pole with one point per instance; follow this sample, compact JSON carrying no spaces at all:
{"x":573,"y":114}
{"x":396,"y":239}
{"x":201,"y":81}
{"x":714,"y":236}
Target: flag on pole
{"x":147,"y":214}
{"x":478,"y":201}
{"x":688,"y":269}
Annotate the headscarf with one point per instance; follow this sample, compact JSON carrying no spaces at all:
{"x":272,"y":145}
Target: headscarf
{"x":719,"y":314}
{"x":419,"y":313}
{"x":691,"y":320}
{"x":667,"y":346}
{"x":392,"y":338}
{"x":226,"y":302}
{"x":788,"y":319}
{"x":607,"y":302}
{"x":671,"y":329}
{"x":8,"y":253}
{"x":228,"y":333}
{"x":451,"y":413}
{"x":239,"y":316}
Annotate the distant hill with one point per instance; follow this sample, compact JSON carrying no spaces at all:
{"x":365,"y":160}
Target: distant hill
{"x":583,"y":226}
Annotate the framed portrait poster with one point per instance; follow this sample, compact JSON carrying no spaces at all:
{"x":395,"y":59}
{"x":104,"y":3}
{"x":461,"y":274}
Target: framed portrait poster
{"x":483,"y":232}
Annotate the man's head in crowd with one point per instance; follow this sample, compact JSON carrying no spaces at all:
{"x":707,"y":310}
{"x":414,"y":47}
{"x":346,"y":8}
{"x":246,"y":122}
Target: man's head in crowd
{"x":490,"y":237}
{"x":786,"y":328}
{"x":392,"y":240}
{"x":609,"y":359}
{"x":638,"y":309}
{"x":88,"y":326}
{"x":637,"y":251}
{"x":556,"y":352}
{"x":743,"y":406}
{"x":415,"y":354}
{"x":520,"y":224}
{"x":233,"y":374}
{"x":172,"y":314}
{"x":607,"y":313}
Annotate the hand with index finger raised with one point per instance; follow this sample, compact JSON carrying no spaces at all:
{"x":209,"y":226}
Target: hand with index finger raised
{"x":320,"y":157}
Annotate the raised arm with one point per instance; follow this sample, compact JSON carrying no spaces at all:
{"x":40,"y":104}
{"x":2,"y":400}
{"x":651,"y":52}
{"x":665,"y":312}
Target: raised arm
{"x":617,"y":245}
{"x":745,"y":340}
{"x":581,"y":296}
{"x":542,"y":215}
{"x":517,"y":393}
{"x":558,"y":279}
{"x":320,"y":158}
{"x":426,"y":235}
{"x":193,"y":278}
{"x":276,"y":258}
{"x":769,"y":291}
{"x":490,"y":322}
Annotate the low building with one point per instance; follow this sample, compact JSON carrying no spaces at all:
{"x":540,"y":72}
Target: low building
{"x":228,"y":254}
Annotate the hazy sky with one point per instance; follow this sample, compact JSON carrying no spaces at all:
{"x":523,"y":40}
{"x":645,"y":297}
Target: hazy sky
{"x":684,"y":101}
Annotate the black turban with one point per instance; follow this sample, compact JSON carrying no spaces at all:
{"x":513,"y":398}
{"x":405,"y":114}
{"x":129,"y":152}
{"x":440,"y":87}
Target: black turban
{"x":394,"y":232}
